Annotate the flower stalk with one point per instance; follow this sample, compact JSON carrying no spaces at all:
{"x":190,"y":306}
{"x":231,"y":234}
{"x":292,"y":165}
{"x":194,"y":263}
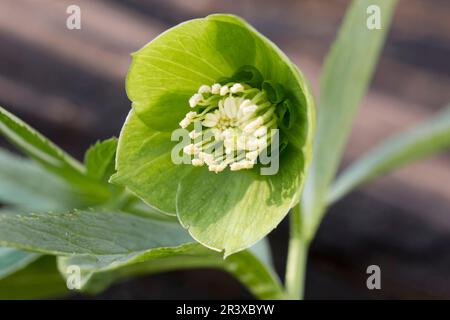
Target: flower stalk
{"x":297,"y":257}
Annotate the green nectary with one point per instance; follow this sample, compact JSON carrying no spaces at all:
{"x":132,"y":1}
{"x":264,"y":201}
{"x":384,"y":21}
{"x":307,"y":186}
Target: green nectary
{"x":205,"y":70}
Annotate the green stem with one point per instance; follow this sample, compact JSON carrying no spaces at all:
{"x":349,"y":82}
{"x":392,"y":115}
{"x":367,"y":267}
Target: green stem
{"x":297,"y":257}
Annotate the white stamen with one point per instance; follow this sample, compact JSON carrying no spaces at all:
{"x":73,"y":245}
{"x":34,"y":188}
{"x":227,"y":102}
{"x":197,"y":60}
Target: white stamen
{"x":197,"y":162}
{"x":243,"y":107}
{"x":185,"y":123}
{"x":255,"y":124}
{"x":218,"y":134}
{"x":237,"y":87}
{"x":251,"y":155}
{"x":243,"y":164}
{"x":191,"y":115}
{"x":194,"y":134}
{"x":260,"y":132}
{"x":217,"y":167}
{"x":262,"y":144}
{"x":230,"y":107}
{"x":250,"y":109}
{"x":230,"y":145}
{"x":224,"y":90}
{"x":215,"y":89}
{"x":228,"y":133}
{"x":188,"y":119}
{"x":204,"y":89}
{"x":195,"y":99}
{"x":191,"y":149}
{"x":245,"y":103}
{"x":211,"y":120}
{"x":251,"y":143}
{"x":206,"y":157}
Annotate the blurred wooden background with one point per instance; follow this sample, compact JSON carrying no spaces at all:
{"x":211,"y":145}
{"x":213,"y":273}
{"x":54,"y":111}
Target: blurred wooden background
{"x":69,"y":84}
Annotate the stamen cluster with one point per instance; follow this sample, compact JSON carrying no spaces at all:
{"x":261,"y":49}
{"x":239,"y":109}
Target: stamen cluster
{"x":232,"y":124}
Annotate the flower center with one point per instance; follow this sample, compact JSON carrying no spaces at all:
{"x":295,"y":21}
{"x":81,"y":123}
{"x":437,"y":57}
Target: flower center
{"x":232,"y":124}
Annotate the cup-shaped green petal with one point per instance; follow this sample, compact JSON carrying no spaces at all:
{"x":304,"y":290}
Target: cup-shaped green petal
{"x":229,"y":210}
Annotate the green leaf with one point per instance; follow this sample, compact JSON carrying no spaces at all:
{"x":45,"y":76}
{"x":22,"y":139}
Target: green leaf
{"x":25,"y":185}
{"x":39,"y":280}
{"x":100,"y":160}
{"x":49,"y":155}
{"x":85,"y":232}
{"x":257,"y":277}
{"x":35,"y":145}
{"x":421,"y":141}
{"x":97,"y":273}
{"x":163,"y":76}
{"x":12,"y":260}
{"x":346,"y":75}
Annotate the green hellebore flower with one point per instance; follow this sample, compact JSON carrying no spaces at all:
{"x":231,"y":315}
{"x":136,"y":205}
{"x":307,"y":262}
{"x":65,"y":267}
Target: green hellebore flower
{"x":216,"y":75}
